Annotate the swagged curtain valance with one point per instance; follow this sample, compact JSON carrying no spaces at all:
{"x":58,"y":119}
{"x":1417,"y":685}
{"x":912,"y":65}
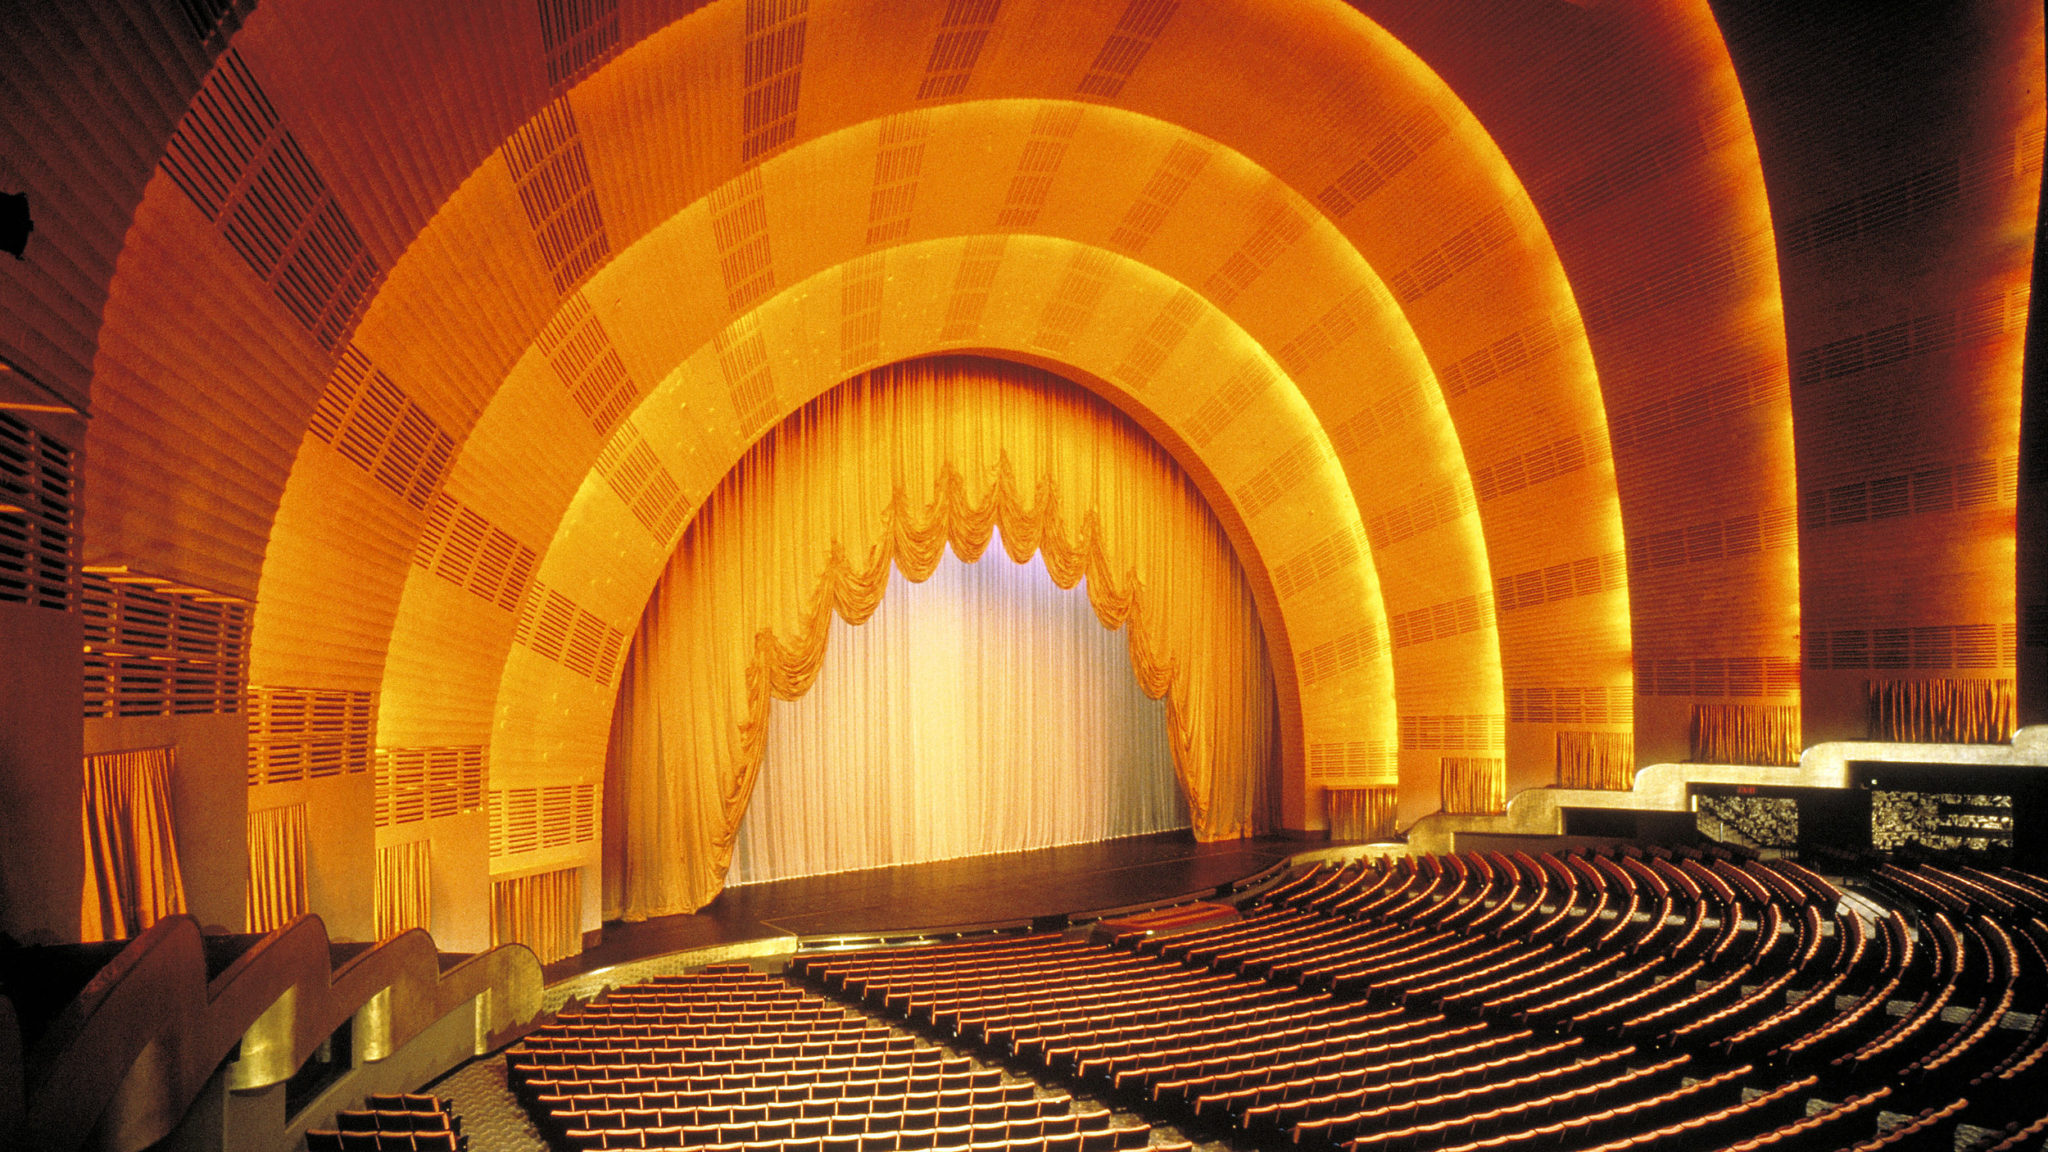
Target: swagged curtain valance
{"x":891,"y":468}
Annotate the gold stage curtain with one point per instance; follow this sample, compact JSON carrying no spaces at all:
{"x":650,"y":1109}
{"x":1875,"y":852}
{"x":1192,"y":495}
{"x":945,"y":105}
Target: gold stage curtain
{"x":132,"y":878}
{"x":1474,"y":785}
{"x":404,"y":888}
{"x":1941,"y":710}
{"x":1361,"y":814}
{"x":1765,"y":734}
{"x":543,"y":911}
{"x":1596,"y":760}
{"x":892,"y":468}
{"x":277,"y":866}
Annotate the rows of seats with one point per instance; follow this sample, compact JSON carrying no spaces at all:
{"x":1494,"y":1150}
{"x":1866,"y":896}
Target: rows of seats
{"x":396,"y":1122}
{"x":735,"y":1060}
{"x":1638,"y":998}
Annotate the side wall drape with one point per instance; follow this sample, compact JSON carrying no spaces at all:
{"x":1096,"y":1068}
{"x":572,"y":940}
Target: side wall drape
{"x":1474,"y":784}
{"x":1596,"y":760}
{"x":277,"y":866}
{"x":543,"y":911}
{"x":404,"y":888}
{"x":890,"y":469}
{"x":1745,"y":734}
{"x":1941,"y":710}
{"x":1360,"y":814}
{"x":132,"y":878}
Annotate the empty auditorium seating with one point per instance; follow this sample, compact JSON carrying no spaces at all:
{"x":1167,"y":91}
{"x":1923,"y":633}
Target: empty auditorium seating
{"x":397,"y":1122}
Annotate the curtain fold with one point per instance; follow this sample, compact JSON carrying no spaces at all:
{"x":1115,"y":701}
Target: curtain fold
{"x":1745,"y":734}
{"x":404,"y":888}
{"x":1596,"y":760}
{"x":891,"y":469}
{"x":1943,"y":710}
{"x":1474,"y":785}
{"x":277,"y":866}
{"x":543,"y":911}
{"x":1360,"y":814}
{"x":132,"y":877}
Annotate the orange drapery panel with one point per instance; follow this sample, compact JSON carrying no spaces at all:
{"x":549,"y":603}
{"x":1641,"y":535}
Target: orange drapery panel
{"x":404,"y":888}
{"x":277,"y":866}
{"x":1941,"y":711}
{"x":891,"y":469}
{"x":1745,"y":734}
{"x":1596,"y":760}
{"x":132,"y":878}
{"x":1361,"y":813}
{"x":543,"y":911}
{"x":1474,"y":784}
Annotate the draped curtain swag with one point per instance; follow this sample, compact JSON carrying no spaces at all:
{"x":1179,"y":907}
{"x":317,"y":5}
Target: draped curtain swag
{"x":543,"y":911}
{"x":1596,"y":760}
{"x":132,"y":878}
{"x":1745,"y":734}
{"x":1474,"y":784}
{"x":1941,"y":710}
{"x":277,"y":866}
{"x":404,"y":887}
{"x":891,"y":468}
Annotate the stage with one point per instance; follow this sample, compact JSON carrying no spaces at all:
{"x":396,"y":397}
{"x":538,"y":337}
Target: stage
{"x":1003,"y":889}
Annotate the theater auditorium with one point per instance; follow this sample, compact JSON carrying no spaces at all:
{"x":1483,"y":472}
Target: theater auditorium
{"x":1022,"y":576}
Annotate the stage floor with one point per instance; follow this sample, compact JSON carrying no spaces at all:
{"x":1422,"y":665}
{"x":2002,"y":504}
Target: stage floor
{"x":948,"y":893}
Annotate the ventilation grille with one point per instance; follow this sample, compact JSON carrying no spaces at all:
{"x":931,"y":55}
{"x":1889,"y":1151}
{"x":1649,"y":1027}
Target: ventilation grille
{"x":978,"y":263}
{"x":1453,"y":733}
{"x":546,"y":161}
{"x":899,"y":161}
{"x":1347,"y":653}
{"x":1505,"y":356}
{"x":739,"y":226}
{"x":468,"y":551}
{"x":1346,"y":760}
{"x":308,"y":733}
{"x":963,"y":32}
{"x":577,"y":35}
{"x":1560,"y":457}
{"x":156,"y":649}
{"x":1939,"y":646}
{"x":415,"y":784}
{"x":553,"y":627}
{"x":1911,"y":199}
{"x":246,"y":172}
{"x":549,"y":816}
{"x":1382,"y":162}
{"x":643,"y":483}
{"x":1337,"y":552}
{"x":1045,"y":149}
{"x":1277,"y":230}
{"x":1335,"y":326}
{"x":1159,"y":340}
{"x":1744,"y":535}
{"x":1459,"y":617}
{"x":774,"y":75}
{"x":1276,"y":480}
{"x":1441,"y":264}
{"x":1432,"y":509}
{"x":1136,"y":31}
{"x":1183,"y":162}
{"x":588,"y":365}
{"x":743,"y":360}
{"x":1627,"y":166}
{"x":1573,"y":578}
{"x":36,"y":537}
{"x":379,"y":428}
{"x":1729,"y":677}
{"x":1251,"y":381}
{"x":860,"y":322}
{"x":1592,"y":705}
{"x":1983,"y":318}
{"x":1073,"y":300}
{"x":1675,"y":284}
{"x":1943,"y":488}
{"x":1355,"y":433}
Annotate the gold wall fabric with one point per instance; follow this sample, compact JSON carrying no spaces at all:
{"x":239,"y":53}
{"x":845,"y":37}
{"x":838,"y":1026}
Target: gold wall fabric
{"x":1596,"y":760}
{"x":1745,"y":734}
{"x":1360,"y":814}
{"x":543,"y":911}
{"x":1941,"y":710}
{"x":277,"y":866}
{"x":132,"y":878}
{"x":1474,"y":784}
{"x":890,"y":469}
{"x":987,"y":693}
{"x":404,"y":888}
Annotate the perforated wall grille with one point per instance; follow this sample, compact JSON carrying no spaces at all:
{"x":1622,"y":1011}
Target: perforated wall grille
{"x":774,"y":75}
{"x":584,"y":359}
{"x":1183,"y":162}
{"x":1437,"y":267}
{"x":1073,"y":300}
{"x":545,"y":158}
{"x":1936,"y":646}
{"x":246,"y":172}
{"x":1718,"y":677}
{"x":1641,"y":423}
{"x":1586,"y":576}
{"x":1596,"y":704}
{"x":37,"y":564}
{"x":1675,"y":283}
{"x":153,"y":648}
{"x":1159,"y":339}
{"x":308,"y":733}
{"x":461,"y":547}
{"x":1743,"y":535}
{"x":1432,"y":509}
{"x":548,"y":816}
{"x":860,"y":317}
{"x":415,"y":784}
{"x":1351,"y":760}
{"x":1353,"y":434}
{"x":899,"y":161}
{"x":1985,"y":317}
{"x":1459,"y":617}
{"x":552,"y":626}
{"x":1504,"y":357}
{"x":1347,"y":653}
{"x":642,"y":482}
{"x":979,"y":261}
{"x":577,"y":36}
{"x":1136,"y":31}
{"x":1560,"y":457}
{"x":1627,"y":166}
{"x":1382,"y":162}
{"x":1238,"y":390}
{"x":378,"y":428}
{"x":1480,"y":733}
{"x":1335,"y":553}
{"x":1329,"y":330}
{"x":1278,"y":228}
{"x":1044,"y":151}
{"x":1938,"y":488}
{"x":1272,"y":483}
{"x":739,"y":226}
{"x":743,"y":360}
{"x":963,"y":31}
{"x":1910,"y":199}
